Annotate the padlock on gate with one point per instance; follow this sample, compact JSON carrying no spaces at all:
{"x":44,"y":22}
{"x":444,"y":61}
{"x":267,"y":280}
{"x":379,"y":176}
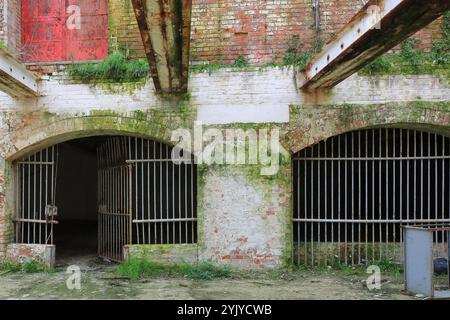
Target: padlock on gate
{"x":51,"y":211}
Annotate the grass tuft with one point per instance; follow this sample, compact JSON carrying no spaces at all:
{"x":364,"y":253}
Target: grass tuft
{"x":115,"y":68}
{"x":139,"y":268}
{"x":28,"y":267}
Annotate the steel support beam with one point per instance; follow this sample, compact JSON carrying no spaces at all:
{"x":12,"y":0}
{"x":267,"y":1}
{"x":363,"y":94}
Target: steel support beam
{"x":165,"y":27}
{"x":377,"y":28}
{"x":15,"y":79}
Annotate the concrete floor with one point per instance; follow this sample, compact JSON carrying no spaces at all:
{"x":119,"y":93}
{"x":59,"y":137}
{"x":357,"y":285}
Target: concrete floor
{"x":98,"y":281}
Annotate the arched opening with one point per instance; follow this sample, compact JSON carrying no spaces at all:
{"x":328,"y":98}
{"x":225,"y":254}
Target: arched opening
{"x":353,"y":191}
{"x":92,"y":196}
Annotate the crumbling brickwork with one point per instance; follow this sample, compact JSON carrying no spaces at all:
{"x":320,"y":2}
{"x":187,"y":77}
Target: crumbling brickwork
{"x":259,"y":30}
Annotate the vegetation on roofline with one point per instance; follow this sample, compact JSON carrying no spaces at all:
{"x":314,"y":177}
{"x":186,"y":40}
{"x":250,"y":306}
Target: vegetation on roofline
{"x":411,"y":60}
{"x":115,"y":68}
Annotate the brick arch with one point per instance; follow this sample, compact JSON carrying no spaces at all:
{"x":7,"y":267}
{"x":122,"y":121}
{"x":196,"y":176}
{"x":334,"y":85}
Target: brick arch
{"x":312,"y":126}
{"x":40,"y":135}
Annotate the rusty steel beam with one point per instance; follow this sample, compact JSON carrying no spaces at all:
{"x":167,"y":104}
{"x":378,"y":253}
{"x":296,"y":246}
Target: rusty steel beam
{"x":15,"y":79}
{"x":377,"y":28}
{"x":165,"y":27}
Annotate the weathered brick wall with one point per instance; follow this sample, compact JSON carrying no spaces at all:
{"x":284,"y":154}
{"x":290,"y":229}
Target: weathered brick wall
{"x":123,"y":30}
{"x":11,"y":28}
{"x":260,"y":30}
{"x":10,"y":35}
{"x":2,"y":20}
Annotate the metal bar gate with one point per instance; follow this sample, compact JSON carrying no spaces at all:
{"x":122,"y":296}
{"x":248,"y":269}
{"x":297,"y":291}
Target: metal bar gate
{"x":144,"y":198}
{"x":114,"y":199}
{"x":35,"y":197}
{"x":354,"y":191}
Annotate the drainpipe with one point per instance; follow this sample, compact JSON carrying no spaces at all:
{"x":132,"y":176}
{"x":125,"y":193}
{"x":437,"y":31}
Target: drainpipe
{"x":316,"y":8}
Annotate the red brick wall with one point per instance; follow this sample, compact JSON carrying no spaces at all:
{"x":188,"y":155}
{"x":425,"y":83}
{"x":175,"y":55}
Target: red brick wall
{"x":258,"y":29}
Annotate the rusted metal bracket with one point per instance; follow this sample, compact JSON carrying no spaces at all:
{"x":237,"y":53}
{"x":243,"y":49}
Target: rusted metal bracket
{"x":15,"y":79}
{"x":377,"y":28}
{"x":165,"y":27}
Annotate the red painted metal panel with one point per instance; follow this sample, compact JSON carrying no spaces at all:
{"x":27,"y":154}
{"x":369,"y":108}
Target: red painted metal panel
{"x":46,"y":37}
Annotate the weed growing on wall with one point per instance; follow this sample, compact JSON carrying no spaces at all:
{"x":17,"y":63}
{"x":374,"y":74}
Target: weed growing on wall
{"x":115,"y":68}
{"x":411,"y":60}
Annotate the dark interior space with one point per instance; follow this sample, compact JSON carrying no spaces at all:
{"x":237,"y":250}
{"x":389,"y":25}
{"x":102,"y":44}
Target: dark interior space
{"x":76,"y":199}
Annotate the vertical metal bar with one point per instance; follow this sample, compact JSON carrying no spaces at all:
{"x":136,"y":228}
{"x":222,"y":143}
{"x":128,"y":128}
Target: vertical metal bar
{"x":443,"y":188}
{"x":148,"y":195}
{"x":142,"y":190}
{"x":160,"y":195}
{"x":332,"y":197}
{"x":326,"y":204}
{"x":312,"y":209}
{"x":167,"y":194}
{"x":193,"y":215}
{"x":394,"y":198}
{"x":136,"y":190}
{"x":318,"y":203}
{"x":53,"y":183}
{"x":352,"y":196}
{"x":380,"y":144}
{"x":366,"y":193}
{"x":29,"y":201}
{"x":401,"y":199}
{"x":306,"y":214}
{"x":345,"y":202}
{"x":172,"y":172}
{"x":179,"y":202}
{"x":421,"y":177}
{"x":373,"y":197}
{"x":297,"y":224}
{"x":359,"y":197}
{"x":40,"y":196}
{"x":34,"y":196}
{"x":415,"y":175}
{"x":130,"y":204}
{"x":155,"y":240}
{"x":339,"y":200}
{"x":387,"y":194}
{"x":23,"y":202}
{"x":46,"y":191}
